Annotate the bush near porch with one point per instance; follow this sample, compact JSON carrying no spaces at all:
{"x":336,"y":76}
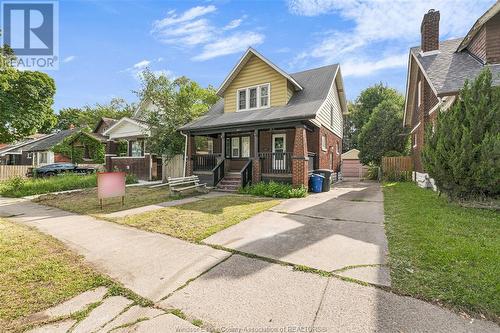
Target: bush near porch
{"x":442,"y":252}
{"x":274,"y":190}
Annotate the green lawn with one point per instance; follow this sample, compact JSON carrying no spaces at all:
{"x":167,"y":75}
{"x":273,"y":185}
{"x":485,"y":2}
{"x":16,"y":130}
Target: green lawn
{"x":86,"y":202}
{"x":198,"y":220}
{"x":442,"y":252}
{"x":37,"y":272}
{"x":19,"y":187}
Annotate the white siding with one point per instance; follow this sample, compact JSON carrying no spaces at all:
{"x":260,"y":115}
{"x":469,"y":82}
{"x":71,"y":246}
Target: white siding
{"x":333,"y":122}
{"x":126,"y":129}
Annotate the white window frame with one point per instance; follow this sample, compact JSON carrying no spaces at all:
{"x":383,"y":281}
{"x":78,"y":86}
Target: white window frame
{"x":323,"y":142}
{"x":235,"y":146}
{"x":247,"y":97}
{"x":415,"y":140}
{"x":243,"y":153}
{"x":337,"y":148}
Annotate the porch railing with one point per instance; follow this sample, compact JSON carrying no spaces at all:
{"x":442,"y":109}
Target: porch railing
{"x":278,"y":163}
{"x":246,"y":174}
{"x":204,"y":162}
{"x":218,"y":172}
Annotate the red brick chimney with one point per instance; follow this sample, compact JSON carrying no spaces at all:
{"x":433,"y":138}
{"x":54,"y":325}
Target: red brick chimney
{"x":430,"y":31}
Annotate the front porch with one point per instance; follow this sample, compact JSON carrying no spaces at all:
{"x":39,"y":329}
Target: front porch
{"x":237,"y":158}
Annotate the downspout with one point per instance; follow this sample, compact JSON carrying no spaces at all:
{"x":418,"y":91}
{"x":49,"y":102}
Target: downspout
{"x":185,"y":153}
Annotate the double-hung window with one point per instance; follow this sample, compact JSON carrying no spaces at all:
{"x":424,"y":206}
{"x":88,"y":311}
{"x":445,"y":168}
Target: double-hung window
{"x":256,"y":97}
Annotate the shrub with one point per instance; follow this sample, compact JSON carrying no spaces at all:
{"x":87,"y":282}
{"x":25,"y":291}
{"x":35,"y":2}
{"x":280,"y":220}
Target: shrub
{"x":462,"y":154}
{"x":18,"y":187}
{"x":274,"y":190}
{"x":393,"y":153}
{"x":372,"y":172}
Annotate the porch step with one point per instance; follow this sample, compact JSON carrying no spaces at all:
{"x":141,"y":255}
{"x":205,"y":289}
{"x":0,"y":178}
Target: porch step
{"x":230,"y":183}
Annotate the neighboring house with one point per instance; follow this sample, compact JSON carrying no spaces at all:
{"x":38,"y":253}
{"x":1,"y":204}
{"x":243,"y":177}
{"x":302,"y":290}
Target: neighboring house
{"x":438,"y":70}
{"x":133,"y":132}
{"x":36,"y":151}
{"x":269,"y":125}
{"x":41,"y":152}
{"x":124,"y":143}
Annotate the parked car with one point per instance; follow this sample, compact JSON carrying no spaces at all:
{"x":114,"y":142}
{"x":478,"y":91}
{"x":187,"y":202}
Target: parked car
{"x":58,"y":168}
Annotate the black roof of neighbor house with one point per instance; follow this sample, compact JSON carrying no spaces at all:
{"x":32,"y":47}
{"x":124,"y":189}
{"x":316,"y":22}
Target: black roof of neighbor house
{"x":50,"y":141}
{"x":448,"y":69}
{"x":303,"y":105}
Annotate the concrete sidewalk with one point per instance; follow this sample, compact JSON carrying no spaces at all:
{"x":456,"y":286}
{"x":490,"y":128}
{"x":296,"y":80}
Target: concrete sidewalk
{"x":150,"y":264}
{"x":250,"y":295}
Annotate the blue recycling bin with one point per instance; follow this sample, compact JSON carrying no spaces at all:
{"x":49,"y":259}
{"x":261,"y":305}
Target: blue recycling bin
{"x":317,"y":183}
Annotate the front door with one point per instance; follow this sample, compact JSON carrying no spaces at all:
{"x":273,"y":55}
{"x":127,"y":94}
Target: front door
{"x":279,"y":149}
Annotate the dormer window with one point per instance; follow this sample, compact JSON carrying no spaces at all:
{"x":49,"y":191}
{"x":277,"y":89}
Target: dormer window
{"x":252,"y":98}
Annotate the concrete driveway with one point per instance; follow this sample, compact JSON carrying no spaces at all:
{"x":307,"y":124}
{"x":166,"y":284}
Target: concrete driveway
{"x":340,"y":231}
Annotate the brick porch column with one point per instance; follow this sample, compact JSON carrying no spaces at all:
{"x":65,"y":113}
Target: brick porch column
{"x":189,"y":155}
{"x":300,"y":158}
{"x":256,"y":176}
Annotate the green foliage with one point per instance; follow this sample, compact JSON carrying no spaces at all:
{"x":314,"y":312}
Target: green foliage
{"x":275,"y":190}
{"x":442,"y":252}
{"x":361,"y":111}
{"x":373,"y":172}
{"x":95,"y":148}
{"x":463,"y":153}
{"x":383,"y":132}
{"x":23,"y":187}
{"x":349,"y":140}
{"x":26,"y":99}
{"x":89,"y":116}
{"x":122,"y":148}
{"x":393,"y":153}
{"x":179,"y":101}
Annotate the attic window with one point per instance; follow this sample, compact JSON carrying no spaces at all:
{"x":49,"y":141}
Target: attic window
{"x":252,"y":98}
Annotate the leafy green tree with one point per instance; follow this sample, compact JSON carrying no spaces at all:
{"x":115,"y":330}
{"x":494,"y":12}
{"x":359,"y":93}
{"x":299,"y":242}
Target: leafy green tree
{"x":365,"y":104}
{"x":89,"y":116}
{"x":349,"y":139}
{"x":26,"y":99}
{"x":462,"y":154}
{"x":383,"y":133}
{"x":173,"y":104}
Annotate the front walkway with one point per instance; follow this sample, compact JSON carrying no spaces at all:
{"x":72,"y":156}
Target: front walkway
{"x":341,"y":231}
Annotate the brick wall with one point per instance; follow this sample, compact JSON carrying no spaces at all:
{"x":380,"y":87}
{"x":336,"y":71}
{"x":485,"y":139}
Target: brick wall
{"x":60,"y":158}
{"x":429,"y":30}
{"x":428,"y":101}
{"x":299,"y":158}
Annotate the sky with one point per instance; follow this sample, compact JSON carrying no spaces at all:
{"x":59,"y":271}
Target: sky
{"x":104,"y":44}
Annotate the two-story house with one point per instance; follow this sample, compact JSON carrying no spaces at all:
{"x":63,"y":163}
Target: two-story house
{"x":269,"y":125}
{"x":438,"y":70}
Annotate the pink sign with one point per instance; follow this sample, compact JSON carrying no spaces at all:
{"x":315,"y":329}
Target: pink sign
{"x":110,"y":184}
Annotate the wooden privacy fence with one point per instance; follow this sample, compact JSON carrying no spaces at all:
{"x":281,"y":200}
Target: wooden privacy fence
{"x":398,"y":168}
{"x":9,"y":171}
{"x":173,"y":167}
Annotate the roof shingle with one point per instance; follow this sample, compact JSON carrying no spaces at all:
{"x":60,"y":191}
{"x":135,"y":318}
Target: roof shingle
{"x":303,"y":105}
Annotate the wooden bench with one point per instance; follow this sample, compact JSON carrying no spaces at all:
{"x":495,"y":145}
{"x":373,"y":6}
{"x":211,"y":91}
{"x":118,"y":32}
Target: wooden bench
{"x":185,"y":183}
